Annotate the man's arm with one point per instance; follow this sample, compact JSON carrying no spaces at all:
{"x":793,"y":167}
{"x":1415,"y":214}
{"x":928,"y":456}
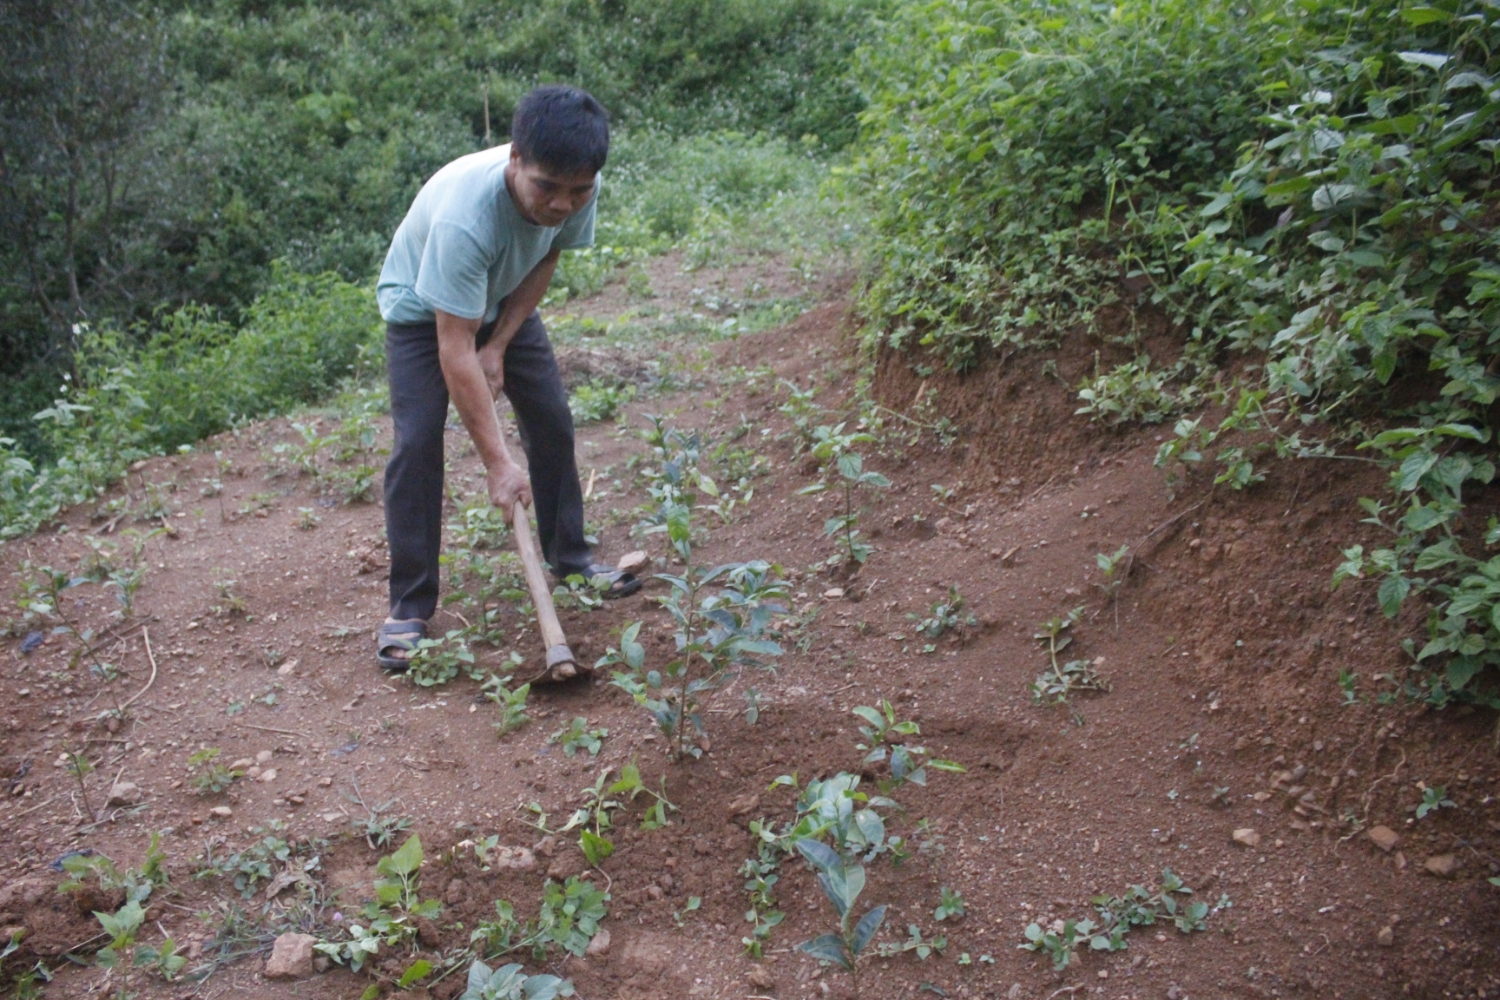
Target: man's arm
{"x":470,"y":391}
{"x":518,"y":305}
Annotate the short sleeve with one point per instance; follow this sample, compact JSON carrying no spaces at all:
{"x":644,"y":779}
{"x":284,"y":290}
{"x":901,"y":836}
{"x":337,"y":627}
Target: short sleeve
{"x":453,"y":275}
{"x":578,"y":231}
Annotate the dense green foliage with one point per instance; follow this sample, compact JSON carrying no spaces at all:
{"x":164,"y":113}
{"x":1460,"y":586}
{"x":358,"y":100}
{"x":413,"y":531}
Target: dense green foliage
{"x":1308,"y":184}
{"x":157,"y":155}
{"x":196,"y":377}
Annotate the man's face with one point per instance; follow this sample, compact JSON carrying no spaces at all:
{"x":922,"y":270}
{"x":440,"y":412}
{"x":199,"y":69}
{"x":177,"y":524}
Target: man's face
{"x":545,"y":198}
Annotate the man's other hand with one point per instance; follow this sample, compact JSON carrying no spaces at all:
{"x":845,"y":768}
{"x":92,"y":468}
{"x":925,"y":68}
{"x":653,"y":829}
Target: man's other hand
{"x":507,"y":484}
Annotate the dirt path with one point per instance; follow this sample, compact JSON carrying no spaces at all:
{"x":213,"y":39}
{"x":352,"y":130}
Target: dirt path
{"x":1222,"y":656}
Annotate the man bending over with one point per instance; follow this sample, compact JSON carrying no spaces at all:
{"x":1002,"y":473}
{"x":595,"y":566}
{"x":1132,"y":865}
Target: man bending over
{"x":458,"y":292}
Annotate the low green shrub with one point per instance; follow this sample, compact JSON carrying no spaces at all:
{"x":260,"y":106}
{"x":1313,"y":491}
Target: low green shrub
{"x":194,"y":377}
{"x":1306,"y":185}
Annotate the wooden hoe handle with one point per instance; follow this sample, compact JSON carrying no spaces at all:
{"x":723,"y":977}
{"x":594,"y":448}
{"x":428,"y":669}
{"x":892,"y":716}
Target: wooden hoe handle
{"x":560,"y":662}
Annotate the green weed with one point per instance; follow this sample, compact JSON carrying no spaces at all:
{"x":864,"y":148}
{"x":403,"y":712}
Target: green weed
{"x":209,"y":776}
{"x":578,"y":736}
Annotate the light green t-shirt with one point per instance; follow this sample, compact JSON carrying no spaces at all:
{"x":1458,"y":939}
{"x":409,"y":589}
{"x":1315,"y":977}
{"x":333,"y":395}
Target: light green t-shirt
{"x":463,"y":246}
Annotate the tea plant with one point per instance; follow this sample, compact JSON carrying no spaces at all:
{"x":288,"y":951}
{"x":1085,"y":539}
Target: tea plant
{"x":511,"y":702}
{"x":1114,"y":567}
{"x":716,"y":635}
{"x":842,"y":882}
{"x":510,"y":983}
{"x":886,"y":738}
{"x":210,"y":777}
{"x":803,"y":413}
{"x":578,"y":736}
{"x":833,"y":446}
{"x":1062,"y":680}
{"x":763,"y":916}
{"x":945,"y":616}
{"x":80,"y":767}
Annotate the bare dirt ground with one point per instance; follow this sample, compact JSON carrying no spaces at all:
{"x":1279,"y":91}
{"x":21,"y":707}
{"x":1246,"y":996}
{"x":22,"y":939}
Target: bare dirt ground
{"x":1222,"y":653}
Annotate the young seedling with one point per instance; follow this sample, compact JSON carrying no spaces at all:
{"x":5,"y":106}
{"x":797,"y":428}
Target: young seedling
{"x":716,"y":634}
{"x":1114,"y":567}
{"x":834,"y":447}
{"x":510,"y":983}
{"x":231,"y":604}
{"x":578,"y":736}
{"x":512,"y":703}
{"x":1058,"y":684}
{"x":1138,"y":907}
{"x":1434,"y":797}
{"x":915,"y":943}
{"x":886,"y":738}
{"x":378,"y":828}
{"x":946,"y":615}
{"x":438,"y":661}
{"x":842,"y":882}
{"x":123,"y":952}
{"x":1348,"y":684}
{"x":81,"y":767}
{"x":569,"y":919}
{"x":211,"y":777}
{"x":951,"y":904}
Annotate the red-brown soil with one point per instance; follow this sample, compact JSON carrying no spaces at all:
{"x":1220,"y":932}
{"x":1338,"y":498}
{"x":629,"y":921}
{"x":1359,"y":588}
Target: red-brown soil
{"x":1222,"y":654}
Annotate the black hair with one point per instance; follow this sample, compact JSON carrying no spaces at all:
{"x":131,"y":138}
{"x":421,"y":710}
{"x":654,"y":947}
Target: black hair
{"x":562,"y":129}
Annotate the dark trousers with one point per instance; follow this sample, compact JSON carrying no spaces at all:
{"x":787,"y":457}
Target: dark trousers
{"x":414,"y":475}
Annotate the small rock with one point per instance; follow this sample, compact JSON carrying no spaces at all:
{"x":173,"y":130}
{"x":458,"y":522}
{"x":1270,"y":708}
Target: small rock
{"x":268,"y":775}
{"x":291,"y":957}
{"x":558,"y":869}
{"x":1247,"y":837}
{"x":221,"y":812}
{"x":243,"y":764}
{"x":456,"y":892}
{"x":123,"y":793}
{"x":633,"y":562}
{"x":1386,"y":937}
{"x":321,"y":964}
{"x":1174,"y":992}
{"x":1014,"y":993}
{"x":760,"y":978}
{"x":264,"y":757}
{"x":599,"y":946}
{"x":743,"y":804}
{"x":1384,"y":838}
{"x":286,"y":668}
{"x":545,"y":846}
{"x":834,"y":593}
{"x":654,"y":892}
{"x":325,"y":782}
{"x":513,"y":858}
{"x":1441,"y":865}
